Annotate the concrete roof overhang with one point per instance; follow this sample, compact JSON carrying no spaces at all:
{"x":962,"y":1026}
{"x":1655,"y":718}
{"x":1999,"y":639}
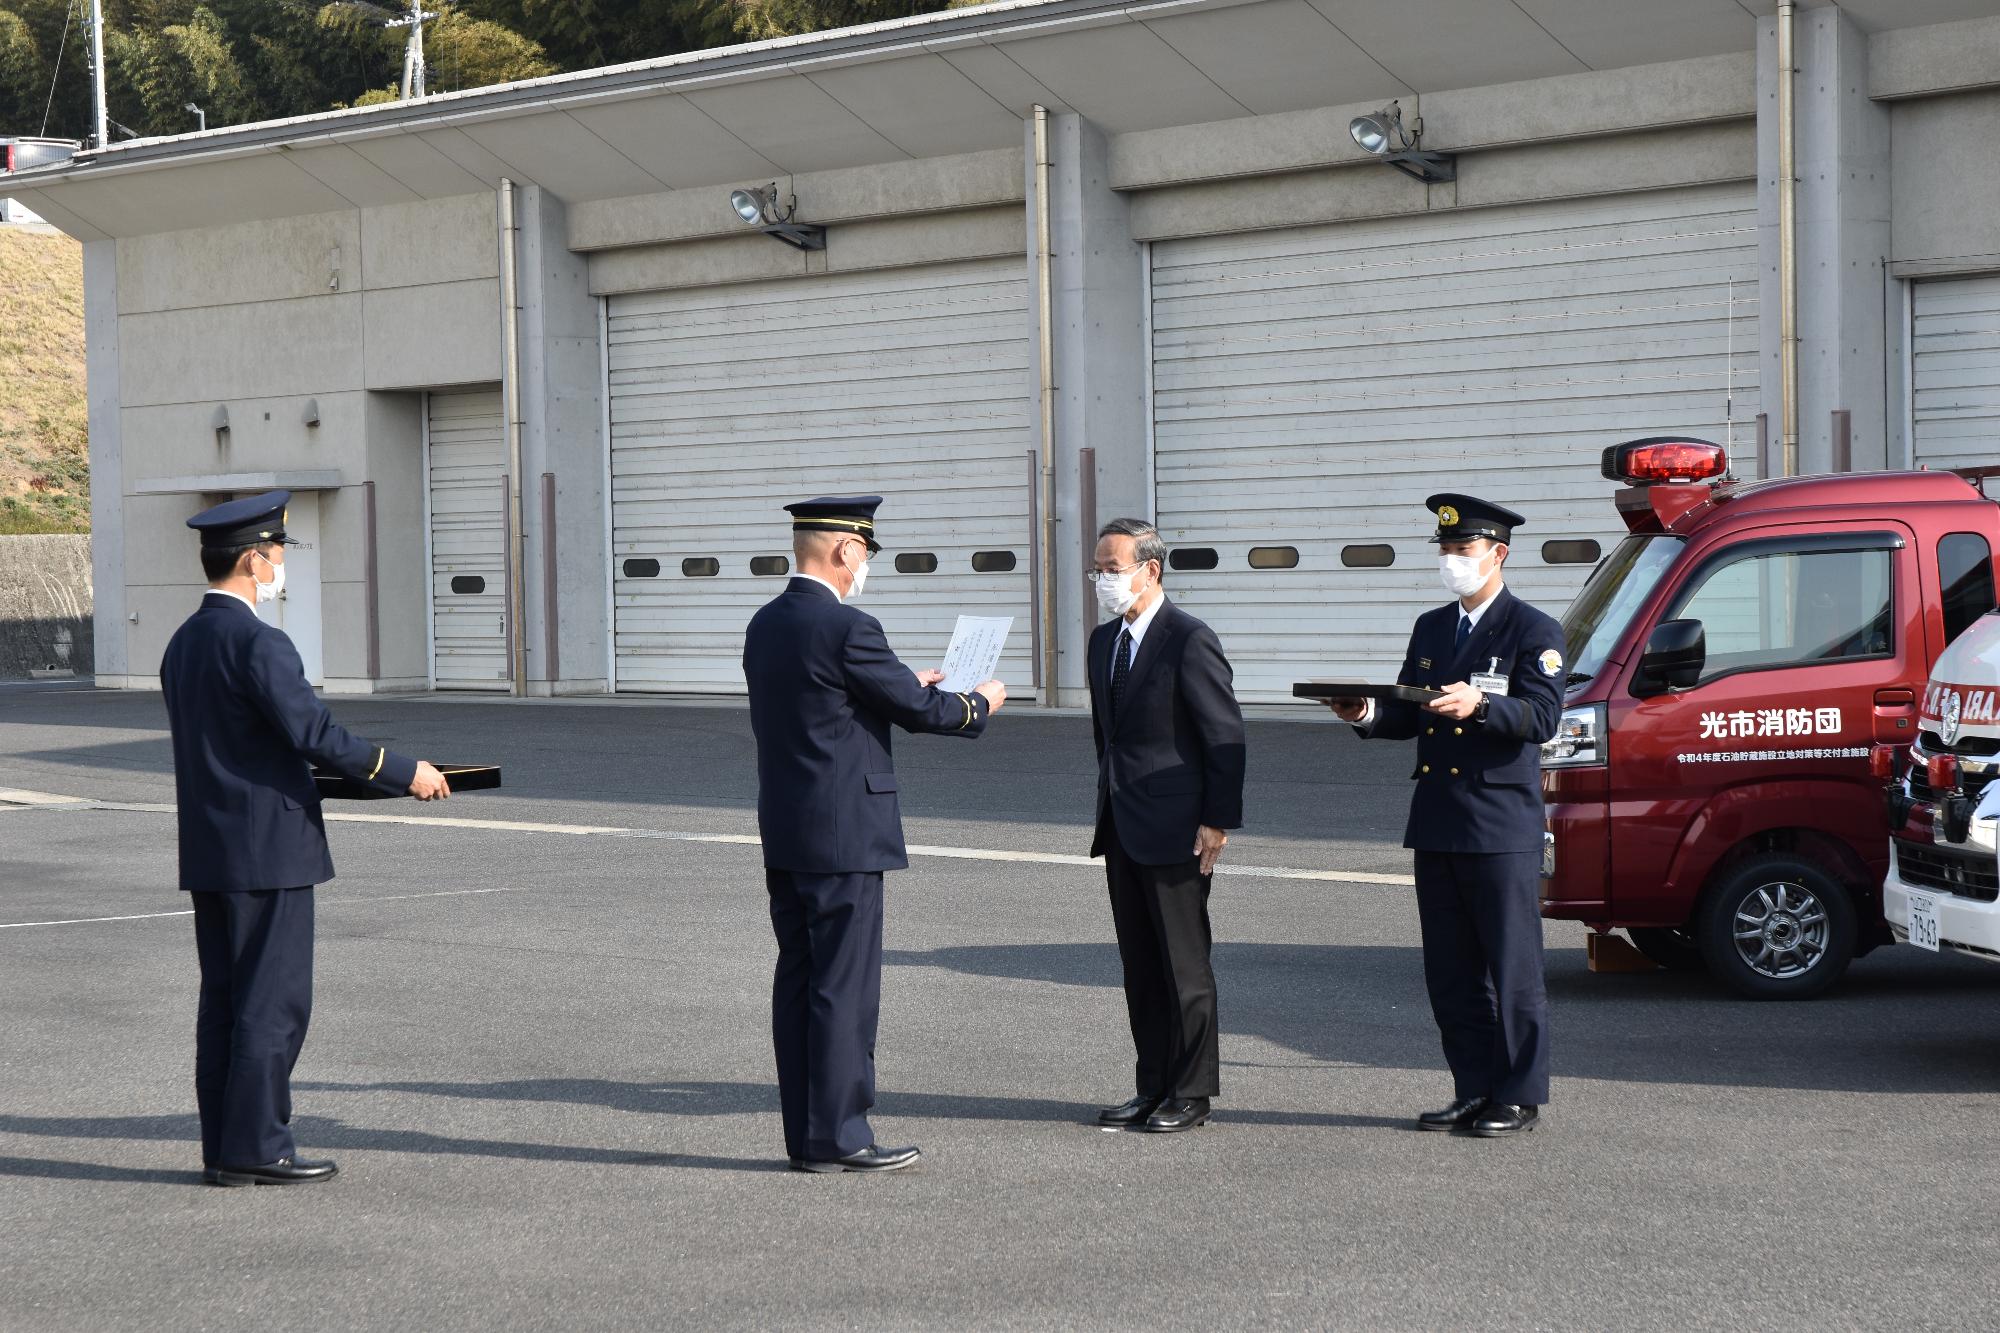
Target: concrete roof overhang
{"x":956,"y":82}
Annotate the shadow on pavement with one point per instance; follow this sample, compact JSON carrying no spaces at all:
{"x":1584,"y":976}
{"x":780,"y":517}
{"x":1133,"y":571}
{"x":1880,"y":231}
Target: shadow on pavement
{"x":318,"y":1134}
{"x":718,"y":1099}
{"x":129,"y":1175}
{"x":1897,"y":1023}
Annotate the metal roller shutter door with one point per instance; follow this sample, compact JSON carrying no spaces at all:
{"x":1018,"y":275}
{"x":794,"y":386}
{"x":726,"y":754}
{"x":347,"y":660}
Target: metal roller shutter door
{"x":1311,"y":386}
{"x":1955,"y":360}
{"x":467,"y":451}
{"x":729,"y":402}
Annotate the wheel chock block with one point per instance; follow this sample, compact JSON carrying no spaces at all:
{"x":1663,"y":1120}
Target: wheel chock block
{"x":1614,"y":953}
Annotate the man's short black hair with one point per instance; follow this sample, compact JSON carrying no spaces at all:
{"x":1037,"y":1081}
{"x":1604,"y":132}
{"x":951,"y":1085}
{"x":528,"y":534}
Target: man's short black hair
{"x":220,"y":563}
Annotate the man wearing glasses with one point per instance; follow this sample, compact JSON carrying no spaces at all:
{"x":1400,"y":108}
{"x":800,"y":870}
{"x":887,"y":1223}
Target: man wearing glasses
{"x":1169,"y":782}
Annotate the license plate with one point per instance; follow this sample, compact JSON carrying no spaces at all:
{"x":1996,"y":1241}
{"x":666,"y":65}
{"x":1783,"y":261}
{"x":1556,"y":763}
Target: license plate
{"x":1923,"y":922}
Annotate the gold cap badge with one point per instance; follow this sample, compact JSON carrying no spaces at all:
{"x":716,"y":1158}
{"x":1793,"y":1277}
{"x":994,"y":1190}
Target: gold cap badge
{"x":1447,"y":516}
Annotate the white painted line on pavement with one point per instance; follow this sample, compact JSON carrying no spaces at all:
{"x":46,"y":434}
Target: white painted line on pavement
{"x":324,"y":900}
{"x":51,"y":800}
{"x":92,"y":920}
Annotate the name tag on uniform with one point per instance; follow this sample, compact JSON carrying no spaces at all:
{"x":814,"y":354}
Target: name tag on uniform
{"x":1490,"y":681}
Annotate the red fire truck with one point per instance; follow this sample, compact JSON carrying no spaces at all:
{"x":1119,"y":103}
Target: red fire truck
{"x":1734,"y":663}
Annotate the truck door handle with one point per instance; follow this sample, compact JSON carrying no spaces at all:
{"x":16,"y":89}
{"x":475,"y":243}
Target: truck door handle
{"x":1895,"y":698}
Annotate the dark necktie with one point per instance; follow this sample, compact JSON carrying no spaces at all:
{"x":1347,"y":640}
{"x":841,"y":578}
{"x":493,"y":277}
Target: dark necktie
{"x":1464,"y":633}
{"x":1121,"y":666}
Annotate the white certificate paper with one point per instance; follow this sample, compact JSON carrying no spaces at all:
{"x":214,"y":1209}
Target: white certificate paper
{"x":974,"y":655}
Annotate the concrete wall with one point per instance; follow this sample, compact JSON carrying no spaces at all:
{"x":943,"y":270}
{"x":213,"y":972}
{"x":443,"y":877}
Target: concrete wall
{"x":45,"y":606}
{"x":349,"y":314}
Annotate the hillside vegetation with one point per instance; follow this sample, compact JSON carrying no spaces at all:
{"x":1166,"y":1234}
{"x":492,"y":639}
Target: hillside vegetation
{"x":249,"y":60}
{"x":44,"y":433}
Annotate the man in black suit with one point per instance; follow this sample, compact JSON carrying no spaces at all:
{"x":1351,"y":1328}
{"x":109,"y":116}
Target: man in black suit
{"x":824,"y":691}
{"x":1169,"y":782}
{"x":247,"y":729}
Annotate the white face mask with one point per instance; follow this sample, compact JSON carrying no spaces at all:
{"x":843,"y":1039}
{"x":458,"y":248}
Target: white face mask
{"x":268,"y":592}
{"x":860,"y":578}
{"x":1115,"y":594}
{"x":1463,"y":575}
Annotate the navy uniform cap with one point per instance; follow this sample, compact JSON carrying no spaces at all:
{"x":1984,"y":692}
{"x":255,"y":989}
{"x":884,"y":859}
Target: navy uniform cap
{"x":838,"y":513}
{"x":247,"y":522}
{"x":1461,"y":518}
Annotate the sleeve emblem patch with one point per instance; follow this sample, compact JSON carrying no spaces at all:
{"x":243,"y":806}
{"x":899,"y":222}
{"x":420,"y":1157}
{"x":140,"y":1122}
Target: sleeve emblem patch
{"x":1551,"y":661}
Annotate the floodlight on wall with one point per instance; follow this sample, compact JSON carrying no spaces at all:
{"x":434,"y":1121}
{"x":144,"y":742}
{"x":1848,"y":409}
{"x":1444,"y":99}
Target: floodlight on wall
{"x":312,"y":412}
{"x":1381,"y":134}
{"x":759,"y":208}
{"x":219,"y":423}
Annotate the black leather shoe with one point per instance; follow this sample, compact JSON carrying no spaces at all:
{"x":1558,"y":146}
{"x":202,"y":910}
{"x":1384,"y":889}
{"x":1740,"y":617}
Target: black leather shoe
{"x":1131,"y":1113}
{"x":284,"y":1171}
{"x":210,"y":1176}
{"x":1459,"y":1115}
{"x":1501,"y":1119}
{"x":872,"y":1158}
{"x":1176,"y":1114}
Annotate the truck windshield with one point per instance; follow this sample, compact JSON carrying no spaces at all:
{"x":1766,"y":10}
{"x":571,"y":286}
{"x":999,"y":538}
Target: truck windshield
{"x":1608,"y":602}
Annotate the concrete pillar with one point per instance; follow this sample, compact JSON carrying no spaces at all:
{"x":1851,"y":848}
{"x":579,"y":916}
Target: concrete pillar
{"x":1843,"y":205}
{"x":1098,"y":295}
{"x":562,"y":386}
{"x":107,"y":464}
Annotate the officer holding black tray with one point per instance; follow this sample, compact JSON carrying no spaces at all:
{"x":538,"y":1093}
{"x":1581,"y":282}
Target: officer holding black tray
{"x":247,"y":729}
{"x":1476,"y":819}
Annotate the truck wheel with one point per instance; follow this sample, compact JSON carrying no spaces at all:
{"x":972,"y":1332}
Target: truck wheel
{"x":1672,"y":947}
{"x":1777,"y":927}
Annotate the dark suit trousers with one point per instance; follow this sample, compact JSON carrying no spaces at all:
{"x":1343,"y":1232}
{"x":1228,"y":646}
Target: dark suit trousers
{"x":256,"y":956}
{"x":826,"y":1001}
{"x":1482,"y":927}
{"x":1161,"y":916}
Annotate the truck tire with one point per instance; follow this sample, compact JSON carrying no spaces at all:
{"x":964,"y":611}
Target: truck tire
{"x":1777,"y":926}
{"x":1672,"y":947}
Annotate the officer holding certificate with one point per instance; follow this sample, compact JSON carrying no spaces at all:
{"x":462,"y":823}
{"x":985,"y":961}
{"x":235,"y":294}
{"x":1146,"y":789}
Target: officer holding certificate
{"x":1476,"y":819}
{"x":824,"y":691}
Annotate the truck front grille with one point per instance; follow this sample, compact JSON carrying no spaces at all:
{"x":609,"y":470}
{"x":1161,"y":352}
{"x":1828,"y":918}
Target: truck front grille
{"x":1963,"y":874}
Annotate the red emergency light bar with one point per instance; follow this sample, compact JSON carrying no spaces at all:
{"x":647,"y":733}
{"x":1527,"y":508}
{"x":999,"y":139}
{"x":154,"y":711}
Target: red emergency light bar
{"x":1664,"y":458}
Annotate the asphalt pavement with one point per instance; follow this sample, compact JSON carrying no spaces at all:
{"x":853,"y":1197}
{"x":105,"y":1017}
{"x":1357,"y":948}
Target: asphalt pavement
{"x":540,"y":1053}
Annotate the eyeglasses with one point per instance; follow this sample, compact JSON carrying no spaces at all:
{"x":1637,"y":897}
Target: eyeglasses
{"x":1099,"y":575}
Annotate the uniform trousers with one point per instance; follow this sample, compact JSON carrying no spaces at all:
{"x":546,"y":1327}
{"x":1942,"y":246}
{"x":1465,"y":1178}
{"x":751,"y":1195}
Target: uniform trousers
{"x":256,"y":956}
{"x":826,"y":1003}
{"x":1482,"y":928}
{"x":1161,"y":916}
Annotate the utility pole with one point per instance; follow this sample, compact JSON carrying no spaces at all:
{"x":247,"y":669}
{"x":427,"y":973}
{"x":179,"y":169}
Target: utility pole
{"x":100,"y":119}
{"x":413,"y":49}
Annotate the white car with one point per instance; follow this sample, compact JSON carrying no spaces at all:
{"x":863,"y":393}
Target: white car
{"x":1943,"y":889}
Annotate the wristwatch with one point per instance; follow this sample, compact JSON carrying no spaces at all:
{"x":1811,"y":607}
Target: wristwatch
{"x":1479,"y":713}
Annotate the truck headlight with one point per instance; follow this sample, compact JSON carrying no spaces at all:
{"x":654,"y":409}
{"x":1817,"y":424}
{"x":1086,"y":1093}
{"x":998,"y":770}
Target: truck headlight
{"x":1579,"y":739}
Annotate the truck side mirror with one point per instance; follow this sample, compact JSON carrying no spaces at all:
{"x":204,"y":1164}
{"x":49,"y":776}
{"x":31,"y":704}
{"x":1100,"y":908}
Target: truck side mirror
{"x":1675,"y":653}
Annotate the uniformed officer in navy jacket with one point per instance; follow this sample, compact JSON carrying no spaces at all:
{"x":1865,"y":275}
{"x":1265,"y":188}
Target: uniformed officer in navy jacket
{"x":247,"y":729}
{"x":824,"y":691}
{"x":1476,"y":819}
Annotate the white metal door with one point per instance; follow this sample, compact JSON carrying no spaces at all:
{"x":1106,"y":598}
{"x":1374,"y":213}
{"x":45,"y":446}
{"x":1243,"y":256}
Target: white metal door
{"x":1312,"y":386}
{"x":468,"y":482}
{"x":297,"y":609}
{"x":1955,"y":365}
{"x":727,"y":403}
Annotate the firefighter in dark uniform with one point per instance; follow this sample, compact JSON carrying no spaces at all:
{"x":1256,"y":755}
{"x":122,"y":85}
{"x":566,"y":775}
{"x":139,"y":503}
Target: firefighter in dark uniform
{"x":247,"y":729}
{"x":1476,"y":819}
{"x":824,"y":691}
